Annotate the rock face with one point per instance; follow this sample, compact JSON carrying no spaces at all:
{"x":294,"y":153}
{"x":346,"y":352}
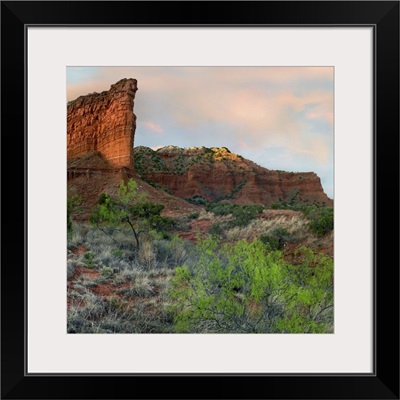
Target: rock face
{"x":104,"y":123}
{"x":217,"y":174}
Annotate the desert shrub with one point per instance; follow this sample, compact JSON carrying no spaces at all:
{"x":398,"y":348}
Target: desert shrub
{"x":107,"y":272}
{"x":71,"y":265}
{"x":243,"y":288}
{"x":76,"y":235}
{"x":245,"y":214}
{"x":172,"y":253}
{"x":242,"y":215}
{"x":216,"y":229}
{"x":146,"y":255}
{"x":221,"y":208}
{"x":117,"y":253}
{"x":118,"y":279}
{"x":197,"y":200}
{"x":277,"y":238}
{"x":84,"y":282}
{"x":105,"y":252}
{"x":128,"y":274}
{"x":162,"y":224}
{"x":138,"y":288}
{"x":193,"y":215}
{"x":321,"y":219}
{"x":181,"y":225}
{"x":73,"y":203}
{"x":88,"y":260}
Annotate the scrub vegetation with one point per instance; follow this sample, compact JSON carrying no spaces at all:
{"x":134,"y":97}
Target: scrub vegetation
{"x":224,"y":269}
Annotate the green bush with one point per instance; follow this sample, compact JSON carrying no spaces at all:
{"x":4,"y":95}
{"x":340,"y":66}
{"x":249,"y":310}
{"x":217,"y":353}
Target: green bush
{"x":197,"y":200}
{"x":243,"y":288}
{"x":277,"y":238}
{"x":117,"y":253}
{"x":173,"y":252}
{"x":107,"y":272}
{"x":242,"y":215}
{"x":276,"y":206}
{"x":89,"y":260}
{"x":216,"y":230}
{"x":73,"y":204}
{"x":321,"y":219}
{"x":193,"y":215}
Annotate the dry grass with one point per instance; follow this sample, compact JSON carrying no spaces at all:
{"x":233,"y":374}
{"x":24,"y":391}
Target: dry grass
{"x":211,"y":217}
{"x":117,"y":288}
{"x":296,"y":225}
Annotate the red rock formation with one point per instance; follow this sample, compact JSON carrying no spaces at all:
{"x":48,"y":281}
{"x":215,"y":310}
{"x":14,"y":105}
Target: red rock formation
{"x":88,"y":186}
{"x":218,"y":174}
{"x":103,"y":122}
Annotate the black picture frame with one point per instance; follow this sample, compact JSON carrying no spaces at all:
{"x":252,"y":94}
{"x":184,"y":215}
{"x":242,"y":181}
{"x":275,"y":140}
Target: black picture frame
{"x":383,"y":383}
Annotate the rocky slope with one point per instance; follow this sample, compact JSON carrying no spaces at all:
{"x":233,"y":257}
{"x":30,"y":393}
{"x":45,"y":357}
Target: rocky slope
{"x":91,"y":182}
{"x":216,"y":174}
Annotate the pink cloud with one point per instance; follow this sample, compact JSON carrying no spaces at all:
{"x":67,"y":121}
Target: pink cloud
{"x":242,"y":145}
{"x":152,"y":126}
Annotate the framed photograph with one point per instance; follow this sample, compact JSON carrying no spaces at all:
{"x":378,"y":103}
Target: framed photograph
{"x":210,"y":200}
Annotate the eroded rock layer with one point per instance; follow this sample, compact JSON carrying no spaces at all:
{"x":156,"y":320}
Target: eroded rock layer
{"x":217,"y":174}
{"x":104,"y":123}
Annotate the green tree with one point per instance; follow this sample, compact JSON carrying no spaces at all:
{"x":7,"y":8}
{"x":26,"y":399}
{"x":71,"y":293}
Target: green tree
{"x":129,"y":208}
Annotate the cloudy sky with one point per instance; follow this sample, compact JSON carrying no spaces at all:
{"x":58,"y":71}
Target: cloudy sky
{"x":279,"y":117}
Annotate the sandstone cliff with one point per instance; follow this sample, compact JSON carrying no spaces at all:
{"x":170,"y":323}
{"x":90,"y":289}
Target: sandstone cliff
{"x":217,"y":174}
{"x":104,"y":123}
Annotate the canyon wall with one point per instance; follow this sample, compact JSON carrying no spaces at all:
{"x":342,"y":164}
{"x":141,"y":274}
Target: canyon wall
{"x":217,"y":174}
{"x":104,"y":123}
